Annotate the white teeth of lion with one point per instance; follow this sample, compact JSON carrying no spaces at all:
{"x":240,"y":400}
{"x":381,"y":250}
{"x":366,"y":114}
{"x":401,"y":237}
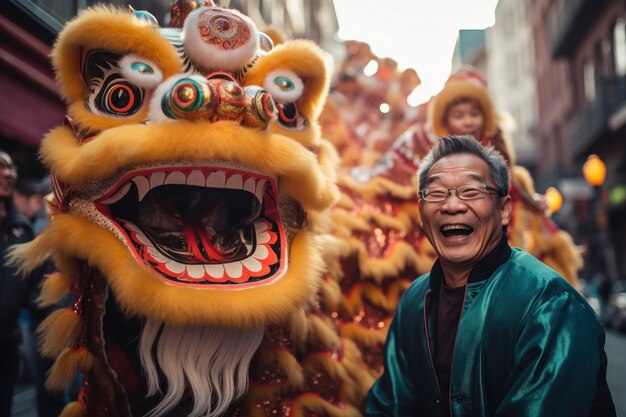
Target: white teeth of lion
{"x":261,"y":226}
{"x":261,"y":252}
{"x":235,"y":182}
{"x":156,"y":254}
{"x":260,"y":190}
{"x":215,"y":271}
{"x":132,"y":226}
{"x":250,"y":186}
{"x":216,"y":179}
{"x":118,"y":195}
{"x":195,"y":271}
{"x":141,"y":237}
{"x":196,"y":178}
{"x":175,"y":178}
{"x":175,"y":267}
{"x":234,"y":269}
{"x":252,"y":264}
{"x":262,"y":238}
{"x":143,"y":186}
{"x":156,"y":179}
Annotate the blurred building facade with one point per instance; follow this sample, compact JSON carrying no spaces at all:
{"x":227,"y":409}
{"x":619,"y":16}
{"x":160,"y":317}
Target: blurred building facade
{"x":30,"y":103}
{"x":309,"y":19}
{"x":555,"y":100}
{"x":580,"y":49}
{"x":559,"y":68}
{"x":591,"y":35}
{"x":511,"y":75}
{"x":470,"y":49}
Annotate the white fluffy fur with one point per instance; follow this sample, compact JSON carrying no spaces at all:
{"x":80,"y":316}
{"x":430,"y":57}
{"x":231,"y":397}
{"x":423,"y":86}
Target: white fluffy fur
{"x":280,"y":96}
{"x":212,"y":57}
{"x":147,"y":80}
{"x":212,"y":361}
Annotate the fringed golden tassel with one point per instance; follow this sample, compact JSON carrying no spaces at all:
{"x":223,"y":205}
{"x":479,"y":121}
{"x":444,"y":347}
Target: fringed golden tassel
{"x":58,"y":331}
{"x":330,"y":293}
{"x":298,"y":327}
{"x":73,"y":409}
{"x":361,"y":379}
{"x":322,"y":332}
{"x":292,"y":368}
{"x":368,"y":338}
{"x":313,"y":403}
{"x":69,"y":363}
{"x":315,"y":362}
{"x":53,"y":289}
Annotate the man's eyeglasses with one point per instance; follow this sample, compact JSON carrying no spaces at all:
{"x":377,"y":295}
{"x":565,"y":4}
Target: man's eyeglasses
{"x":463,"y":192}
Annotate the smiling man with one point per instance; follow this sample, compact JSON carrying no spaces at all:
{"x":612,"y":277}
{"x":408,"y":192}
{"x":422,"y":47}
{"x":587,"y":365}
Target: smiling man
{"x":490,"y":331}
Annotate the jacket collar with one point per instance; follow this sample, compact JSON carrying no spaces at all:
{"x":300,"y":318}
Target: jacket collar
{"x":481,"y":271}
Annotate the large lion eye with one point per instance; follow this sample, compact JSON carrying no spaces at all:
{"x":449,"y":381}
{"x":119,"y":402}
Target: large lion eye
{"x":119,"y":97}
{"x":114,"y":90}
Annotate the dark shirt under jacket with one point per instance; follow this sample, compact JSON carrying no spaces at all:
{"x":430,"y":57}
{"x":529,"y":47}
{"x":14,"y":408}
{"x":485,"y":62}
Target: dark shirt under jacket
{"x":449,"y":314}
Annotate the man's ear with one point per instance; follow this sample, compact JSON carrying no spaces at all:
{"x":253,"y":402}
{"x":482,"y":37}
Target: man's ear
{"x":506,"y":208}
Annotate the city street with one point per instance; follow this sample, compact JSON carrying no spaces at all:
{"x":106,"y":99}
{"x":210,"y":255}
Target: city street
{"x":616,"y":352}
{"x":24,"y":398}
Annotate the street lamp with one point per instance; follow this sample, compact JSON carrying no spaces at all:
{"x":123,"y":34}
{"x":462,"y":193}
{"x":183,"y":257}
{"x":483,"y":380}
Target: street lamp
{"x":594,"y":171}
{"x":554,"y":199}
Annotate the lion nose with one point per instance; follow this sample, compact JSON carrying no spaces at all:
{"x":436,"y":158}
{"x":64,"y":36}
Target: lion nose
{"x":218,"y":99}
{"x":190,"y":99}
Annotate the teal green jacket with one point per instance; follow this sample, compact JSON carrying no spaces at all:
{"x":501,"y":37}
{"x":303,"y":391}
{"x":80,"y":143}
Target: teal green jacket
{"x":528,"y":345}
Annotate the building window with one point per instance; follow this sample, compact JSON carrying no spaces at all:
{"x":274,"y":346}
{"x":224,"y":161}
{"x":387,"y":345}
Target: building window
{"x":589,"y":80}
{"x":619,"y":47}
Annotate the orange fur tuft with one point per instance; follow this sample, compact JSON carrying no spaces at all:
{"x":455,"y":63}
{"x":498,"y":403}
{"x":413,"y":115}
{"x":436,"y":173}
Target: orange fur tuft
{"x":69,"y":363}
{"x":55,"y":287}
{"x":73,"y":409}
{"x":58,"y":331}
{"x":28,"y":256}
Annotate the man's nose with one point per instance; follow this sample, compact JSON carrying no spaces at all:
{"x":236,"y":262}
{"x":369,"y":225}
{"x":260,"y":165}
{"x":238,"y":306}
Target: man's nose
{"x":453,"y":203}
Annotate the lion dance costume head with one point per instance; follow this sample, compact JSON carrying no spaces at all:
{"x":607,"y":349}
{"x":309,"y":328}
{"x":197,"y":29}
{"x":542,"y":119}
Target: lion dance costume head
{"x":190,"y":186}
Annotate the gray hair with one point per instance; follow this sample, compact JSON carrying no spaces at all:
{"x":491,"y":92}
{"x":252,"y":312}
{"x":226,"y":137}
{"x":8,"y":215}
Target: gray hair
{"x":451,"y":145}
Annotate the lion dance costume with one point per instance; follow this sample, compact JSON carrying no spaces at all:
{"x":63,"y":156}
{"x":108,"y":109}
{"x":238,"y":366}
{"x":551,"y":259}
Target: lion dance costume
{"x":191,"y":222}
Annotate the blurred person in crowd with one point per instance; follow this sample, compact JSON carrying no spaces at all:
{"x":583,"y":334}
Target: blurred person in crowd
{"x":29,"y":199}
{"x":490,"y":331}
{"x":16,"y":293}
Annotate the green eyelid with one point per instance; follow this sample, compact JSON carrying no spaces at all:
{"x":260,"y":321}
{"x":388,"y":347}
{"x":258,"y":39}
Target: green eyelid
{"x":284,"y":83}
{"x":142,"y":68}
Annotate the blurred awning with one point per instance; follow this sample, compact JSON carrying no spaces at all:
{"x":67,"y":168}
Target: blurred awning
{"x":29,"y":97}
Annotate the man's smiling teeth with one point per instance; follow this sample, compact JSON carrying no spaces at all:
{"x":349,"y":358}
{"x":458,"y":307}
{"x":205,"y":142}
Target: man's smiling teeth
{"x":455,"y":227}
{"x":450,"y":230}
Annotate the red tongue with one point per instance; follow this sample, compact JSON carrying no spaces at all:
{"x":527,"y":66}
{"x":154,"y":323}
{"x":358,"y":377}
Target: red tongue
{"x":196,"y":237}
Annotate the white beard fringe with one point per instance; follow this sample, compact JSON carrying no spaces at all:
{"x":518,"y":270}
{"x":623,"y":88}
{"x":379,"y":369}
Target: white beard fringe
{"x":212,"y":361}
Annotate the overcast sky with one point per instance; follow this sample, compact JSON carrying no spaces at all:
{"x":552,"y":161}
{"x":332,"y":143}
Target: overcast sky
{"x":419,"y":34}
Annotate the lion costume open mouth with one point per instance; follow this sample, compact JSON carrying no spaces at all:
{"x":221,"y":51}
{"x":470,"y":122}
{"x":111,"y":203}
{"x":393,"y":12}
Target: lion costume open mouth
{"x":200,"y":225}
